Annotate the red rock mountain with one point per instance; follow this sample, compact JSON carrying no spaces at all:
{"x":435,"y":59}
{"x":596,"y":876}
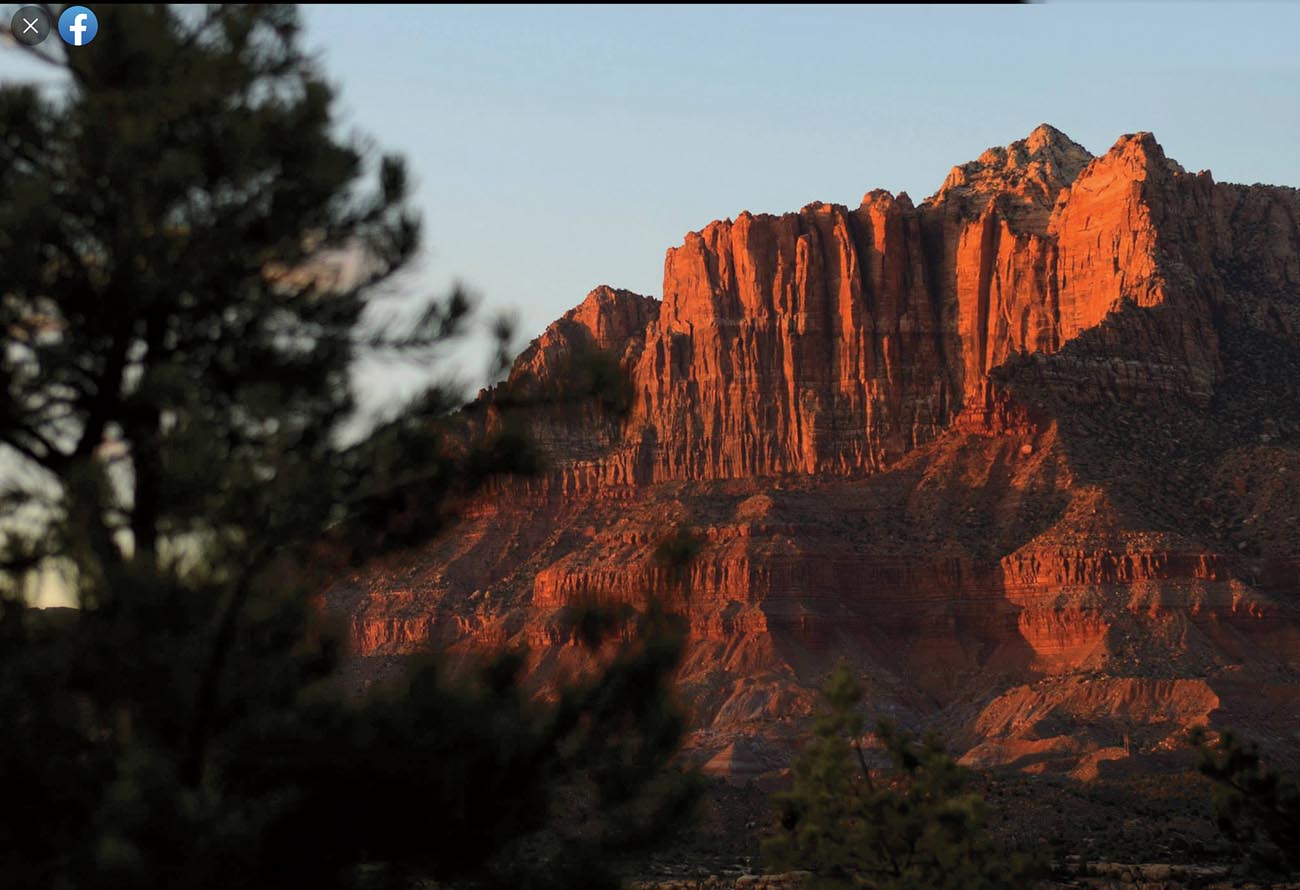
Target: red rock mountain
{"x":1026,"y":454}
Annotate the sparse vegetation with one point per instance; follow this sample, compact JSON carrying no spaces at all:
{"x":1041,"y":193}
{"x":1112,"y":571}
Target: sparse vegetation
{"x":915,"y":824}
{"x":1255,"y":806}
{"x":676,"y":551}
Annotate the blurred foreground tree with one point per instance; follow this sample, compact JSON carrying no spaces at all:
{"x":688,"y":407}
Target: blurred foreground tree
{"x":912,"y":827}
{"x":1257,"y":808}
{"x":187,"y":256}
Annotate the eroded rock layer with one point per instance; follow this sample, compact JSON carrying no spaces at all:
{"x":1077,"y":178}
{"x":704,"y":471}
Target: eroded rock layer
{"x":1025,"y":454}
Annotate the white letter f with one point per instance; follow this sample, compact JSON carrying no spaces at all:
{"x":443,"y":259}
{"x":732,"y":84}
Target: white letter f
{"x":78,"y":27}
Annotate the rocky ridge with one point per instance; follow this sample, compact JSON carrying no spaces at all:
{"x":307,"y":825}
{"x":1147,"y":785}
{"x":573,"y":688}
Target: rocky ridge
{"x":1025,"y":454}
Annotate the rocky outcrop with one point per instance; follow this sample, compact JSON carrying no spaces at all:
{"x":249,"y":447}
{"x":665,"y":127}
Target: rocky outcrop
{"x":1025,"y":454}
{"x":806,"y":343}
{"x":608,"y":320}
{"x":836,"y":340}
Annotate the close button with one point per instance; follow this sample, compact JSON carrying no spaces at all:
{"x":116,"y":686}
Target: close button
{"x":30,"y":25}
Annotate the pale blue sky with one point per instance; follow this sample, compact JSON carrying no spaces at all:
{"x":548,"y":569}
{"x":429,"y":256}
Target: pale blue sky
{"x":557,"y":148}
{"x":561,"y":148}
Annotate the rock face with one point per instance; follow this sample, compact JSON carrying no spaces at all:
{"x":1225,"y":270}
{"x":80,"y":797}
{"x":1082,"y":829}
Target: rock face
{"x":1025,"y":454}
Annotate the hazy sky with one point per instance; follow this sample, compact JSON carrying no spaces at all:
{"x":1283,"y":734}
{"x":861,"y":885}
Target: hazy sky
{"x":560,"y":148}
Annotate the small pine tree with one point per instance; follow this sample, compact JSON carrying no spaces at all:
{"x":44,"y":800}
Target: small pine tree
{"x":1256,"y":808}
{"x":914,"y":826}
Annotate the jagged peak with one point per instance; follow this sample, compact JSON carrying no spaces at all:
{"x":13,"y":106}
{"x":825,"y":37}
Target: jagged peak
{"x":610,"y":315}
{"x":822,"y":207}
{"x":608,"y":319}
{"x":883,"y":200}
{"x":1140,"y":150}
{"x":1046,"y":137}
{"x":1025,"y":177}
{"x":603,"y":294}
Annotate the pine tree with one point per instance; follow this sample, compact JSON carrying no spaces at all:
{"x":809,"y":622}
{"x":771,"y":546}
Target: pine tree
{"x":188,"y":256}
{"x":913,"y":827}
{"x":1255,"y":806}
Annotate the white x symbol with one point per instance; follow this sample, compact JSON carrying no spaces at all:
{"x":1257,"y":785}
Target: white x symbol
{"x":31,"y":25}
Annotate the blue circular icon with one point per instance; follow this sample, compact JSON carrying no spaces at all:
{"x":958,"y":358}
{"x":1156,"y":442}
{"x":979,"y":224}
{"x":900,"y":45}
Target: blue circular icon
{"x":78,"y":26}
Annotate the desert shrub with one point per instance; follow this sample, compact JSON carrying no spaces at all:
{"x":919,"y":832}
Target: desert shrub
{"x":914,"y":824}
{"x":1257,"y":808}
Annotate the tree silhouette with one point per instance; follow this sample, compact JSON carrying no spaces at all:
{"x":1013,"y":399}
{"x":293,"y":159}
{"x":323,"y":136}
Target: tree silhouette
{"x":1256,"y":807}
{"x":189,"y":256}
{"x":912,"y":826}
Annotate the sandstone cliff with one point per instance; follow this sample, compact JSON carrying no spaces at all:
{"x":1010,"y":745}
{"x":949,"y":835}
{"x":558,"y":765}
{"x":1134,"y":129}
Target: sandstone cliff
{"x":1025,"y":454}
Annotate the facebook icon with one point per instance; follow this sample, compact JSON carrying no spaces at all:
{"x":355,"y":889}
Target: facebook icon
{"x":78,"y":26}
